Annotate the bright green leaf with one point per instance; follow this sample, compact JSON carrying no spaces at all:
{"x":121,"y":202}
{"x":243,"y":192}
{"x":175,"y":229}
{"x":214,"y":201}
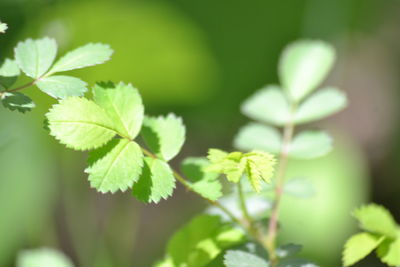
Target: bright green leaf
{"x":323,"y":103}
{"x":115,"y":166}
{"x":85,"y":56}
{"x":259,"y":166}
{"x":80,"y":124}
{"x":310,"y":144}
{"x":156,"y":182}
{"x":61,"y":87}
{"x":255,"y":136}
{"x":304,"y":65}
{"x":3,"y":27}
{"x":17,"y":101}
{"x":204,"y":183}
{"x":389,"y":252}
{"x":164,"y":135}
{"x":9,"y":73}
{"x":375,"y":218}
{"x":299,"y":187}
{"x":268,"y":105}
{"x":35,"y":57}
{"x":359,"y":246}
{"x":43,"y":257}
{"x":238,"y":258}
{"x":123,"y":104}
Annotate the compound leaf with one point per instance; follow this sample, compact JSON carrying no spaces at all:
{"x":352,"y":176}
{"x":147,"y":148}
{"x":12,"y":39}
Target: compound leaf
{"x":124,"y":106}
{"x":256,"y":136}
{"x":304,"y":65}
{"x":80,"y":124}
{"x":84,"y":56}
{"x":359,"y":246}
{"x":35,"y":57}
{"x":323,"y":103}
{"x":204,"y":183}
{"x":310,"y":144}
{"x":43,"y":257}
{"x":156,"y":182}
{"x":164,"y":135}
{"x":238,"y":258}
{"x":267,"y":105}
{"x":115,"y":166}
{"x":17,"y":101}
{"x":9,"y":73}
{"x":59,"y":86}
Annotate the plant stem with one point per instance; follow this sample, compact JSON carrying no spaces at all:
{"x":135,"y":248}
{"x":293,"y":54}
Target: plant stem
{"x":280,"y":179}
{"x":24,"y":86}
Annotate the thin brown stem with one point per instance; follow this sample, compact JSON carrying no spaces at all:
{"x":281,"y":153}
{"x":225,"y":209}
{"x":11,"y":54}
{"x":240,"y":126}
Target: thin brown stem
{"x":24,"y":86}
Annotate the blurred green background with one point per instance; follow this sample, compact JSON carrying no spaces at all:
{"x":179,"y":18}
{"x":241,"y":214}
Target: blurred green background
{"x":200,"y":59}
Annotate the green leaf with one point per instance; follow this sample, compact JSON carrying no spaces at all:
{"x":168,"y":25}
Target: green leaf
{"x":389,"y":252}
{"x":35,"y":57}
{"x":295,"y":263}
{"x":376,"y":219}
{"x":123,"y":104}
{"x":3,"y":27}
{"x":9,"y":73}
{"x":17,"y":101}
{"x":268,"y":105}
{"x":310,"y":144}
{"x":299,"y":187}
{"x":304,"y":65}
{"x":255,"y":136}
{"x":260,"y":166}
{"x":288,"y":250}
{"x":204,"y":183}
{"x":359,"y":246}
{"x":156,"y":182}
{"x":84,"y":56}
{"x":42,"y":258}
{"x":61,"y":87}
{"x":202,"y":240}
{"x":238,"y":258}
{"x":164,"y":135}
{"x":323,"y":103}
{"x":115,"y":166}
{"x":80,"y":124}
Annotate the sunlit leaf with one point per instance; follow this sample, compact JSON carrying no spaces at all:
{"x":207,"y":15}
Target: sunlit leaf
{"x":9,"y":73}
{"x":389,"y":252}
{"x":61,"y":87}
{"x":255,"y":136}
{"x":17,"y":101}
{"x":3,"y":27}
{"x":238,"y":258}
{"x":310,"y":144}
{"x":44,"y":257}
{"x":359,"y":246}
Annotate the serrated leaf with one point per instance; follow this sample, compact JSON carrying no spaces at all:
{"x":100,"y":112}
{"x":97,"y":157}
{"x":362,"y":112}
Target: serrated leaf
{"x":17,"y":101}
{"x":156,"y":182}
{"x":359,"y":246}
{"x":310,"y":144}
{"x":268,"y":105}
{"x":84,"y":56}
{"x":61,"y":87}
{"x":260,"y":166}
{"x":115,"y":166}
{"x":299,"y":187}
{"x":389,"y":252}
{"x":80,"y":124}
{"x":35,"y":57}
{"x":376,"y":219}
{"x":202,"y":240}
{"x":3,"y":27}
{"x":304,"y":65}
{"x":42,"y":258}
{"x":255,"y":136}
{"x":238,"y":258}
{"x":124,"y":106}
{"x":288,"y":250}
{"x":164,"y":135}
{"x":323,"y":103}
{"x":204,"y":183}
{"x":9,"y":73}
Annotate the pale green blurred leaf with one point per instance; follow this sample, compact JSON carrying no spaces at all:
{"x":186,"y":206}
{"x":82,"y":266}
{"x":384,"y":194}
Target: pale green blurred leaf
{"x":304,"y":65}
{"x":116,"y":166}
{"x":59,"y":86}
{"x":164,"y":135}
{"x":124,"y":106}
{"x":3,"y":27}
{"x":255,"y":136}
{"x":17,"y":101}
{"x":35,"y":57}
{"x":84,"y":56}
{"x":238,"y":258}
{"x":295,"y":263}
{"x":299,"y":187}
{"x":9,"y":73}
{"x":268,"y":105}
{"x":359,"y":246}
{"x":43,"y":257}
{"x":323,"y":103}
{"x":156,"y":182}
{"x":288,"y":250}
{"x":204,"y":183}
{"x":80,"y":124}
{"x":389,"y":252}
{"x":310,"y":144}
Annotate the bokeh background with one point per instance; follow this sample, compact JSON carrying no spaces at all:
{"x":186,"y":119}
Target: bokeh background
{"x":200,"y":59}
